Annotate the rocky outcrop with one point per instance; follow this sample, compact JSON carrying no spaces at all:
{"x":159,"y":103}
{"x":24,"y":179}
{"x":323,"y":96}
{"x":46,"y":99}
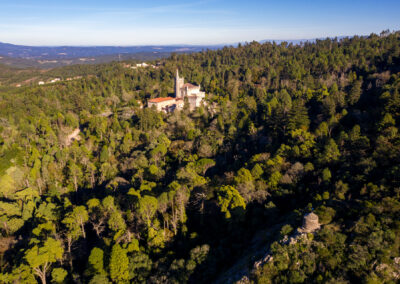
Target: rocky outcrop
{"x":391,"y":269}
{"x":267,"y":258}
{"x":73,"y":136}
{"x":310,"y":225}
{"x":240,"y":274}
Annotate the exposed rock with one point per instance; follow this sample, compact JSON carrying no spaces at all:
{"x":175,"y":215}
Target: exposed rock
{"x":73,"y":136}
{"x":267,"y":258}
{"x":118,"y":182}
{"x":127,"y":113}
{"x":396,"y":266}
{"x":244,"y":280}
{"x":106,"y":114}
{"x":397,"y":260}
{"x":6,"y":243}
{"x":392,"y":270}
{"x":310,"y":223}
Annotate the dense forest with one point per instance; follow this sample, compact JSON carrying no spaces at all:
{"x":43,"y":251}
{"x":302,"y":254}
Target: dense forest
{"x":141,"y":196}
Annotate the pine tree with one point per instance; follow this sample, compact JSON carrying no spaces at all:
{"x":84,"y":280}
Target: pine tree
{"x":119,"y":265}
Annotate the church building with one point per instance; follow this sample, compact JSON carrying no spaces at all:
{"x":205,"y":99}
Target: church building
{"x":191,"y":92}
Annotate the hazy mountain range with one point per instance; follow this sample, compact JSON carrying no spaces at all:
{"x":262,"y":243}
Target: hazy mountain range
{"x":54,"y":56}
{"x":62,"y":52}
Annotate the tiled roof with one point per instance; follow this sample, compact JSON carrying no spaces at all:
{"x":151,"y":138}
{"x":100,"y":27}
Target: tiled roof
{"x":159,"y":100}
{"x":190,"y":86}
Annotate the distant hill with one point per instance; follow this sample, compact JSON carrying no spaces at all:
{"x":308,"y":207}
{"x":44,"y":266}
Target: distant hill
{"x":63,"y":52}
{"x":59,"y":62}
{"x":45,"y":57}
{"x":55,"y":56}
{"x":296,"y":41}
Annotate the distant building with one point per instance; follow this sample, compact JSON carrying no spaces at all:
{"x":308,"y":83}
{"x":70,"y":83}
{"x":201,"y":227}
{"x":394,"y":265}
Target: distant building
{"x":73,"y":78}
{"x":55,"y":80}
{"x":192,"y":92}
{"x":139,"y":65}
{"x":144,"y":64}
{"x":40,"y":83}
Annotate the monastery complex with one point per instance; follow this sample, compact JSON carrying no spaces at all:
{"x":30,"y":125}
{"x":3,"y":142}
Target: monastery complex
{"x":191,"y":92}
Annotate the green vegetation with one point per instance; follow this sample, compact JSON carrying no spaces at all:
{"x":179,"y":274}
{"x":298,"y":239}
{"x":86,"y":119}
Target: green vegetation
{"x":147,"y":197}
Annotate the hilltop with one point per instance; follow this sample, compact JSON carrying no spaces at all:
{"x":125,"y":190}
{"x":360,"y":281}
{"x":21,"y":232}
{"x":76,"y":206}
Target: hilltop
{"x":287,"y":173}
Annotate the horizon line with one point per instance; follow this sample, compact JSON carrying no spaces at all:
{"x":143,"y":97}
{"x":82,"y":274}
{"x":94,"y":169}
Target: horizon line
{"x":194,"y":45}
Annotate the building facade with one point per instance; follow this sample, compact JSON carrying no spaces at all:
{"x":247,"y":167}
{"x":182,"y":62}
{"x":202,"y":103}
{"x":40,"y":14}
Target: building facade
{"x":167,"y":104}
{"x":183,"y":92}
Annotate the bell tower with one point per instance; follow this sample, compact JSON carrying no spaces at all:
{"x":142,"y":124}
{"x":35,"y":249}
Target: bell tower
{"x":178,"y":85}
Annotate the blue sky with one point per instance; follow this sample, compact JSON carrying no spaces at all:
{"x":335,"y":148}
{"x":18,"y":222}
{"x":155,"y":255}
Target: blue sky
{"x":122,"y":22}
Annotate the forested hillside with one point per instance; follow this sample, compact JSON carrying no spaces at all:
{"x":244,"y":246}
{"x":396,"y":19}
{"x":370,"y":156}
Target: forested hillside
{"x":146,"y":197}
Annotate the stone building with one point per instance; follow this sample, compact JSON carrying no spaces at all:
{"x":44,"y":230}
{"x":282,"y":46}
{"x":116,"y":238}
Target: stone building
{"x":183,"y":92}
{"x":189,"y":91}
{"x":310,"y":223}
{"x":167,"y":104}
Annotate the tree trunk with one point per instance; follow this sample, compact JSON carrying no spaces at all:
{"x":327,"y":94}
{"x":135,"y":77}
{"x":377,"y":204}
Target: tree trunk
{"x":174,"y":221}
{"x":43,"y":278}
{"x":164,"y":228}
{"x":83,"y":230}
{"x":92,"y":180}
{"x":39,"y":184}
{"x":98,"y":227}
{"x":69,"y":245}
{"x":75,"y":183}
{"x":41,"y":273}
